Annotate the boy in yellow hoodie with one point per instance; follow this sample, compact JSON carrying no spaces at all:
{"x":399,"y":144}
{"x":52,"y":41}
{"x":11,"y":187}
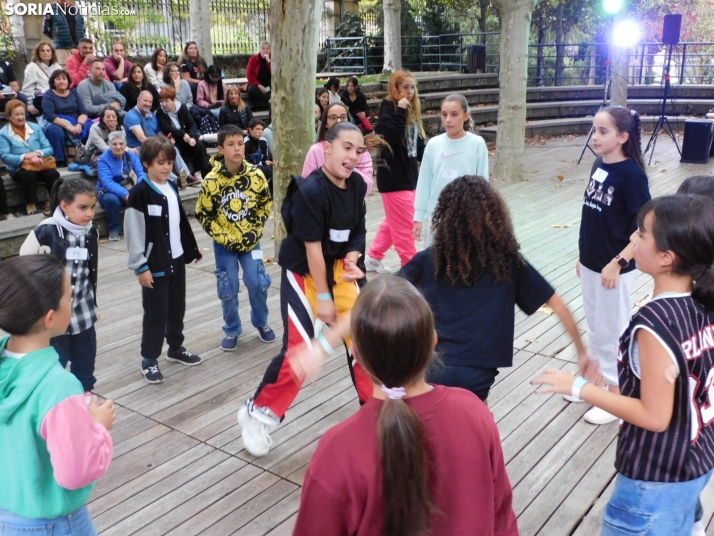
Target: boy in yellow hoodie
{"x":232,"y":207}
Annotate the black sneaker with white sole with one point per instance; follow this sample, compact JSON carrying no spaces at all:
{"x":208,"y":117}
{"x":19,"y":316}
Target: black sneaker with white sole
{"x":151,"y":373}
{"x":183,"y":356}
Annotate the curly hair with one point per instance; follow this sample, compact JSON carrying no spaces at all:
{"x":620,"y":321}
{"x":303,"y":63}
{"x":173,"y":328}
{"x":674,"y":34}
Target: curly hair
{"x":474,"y":233}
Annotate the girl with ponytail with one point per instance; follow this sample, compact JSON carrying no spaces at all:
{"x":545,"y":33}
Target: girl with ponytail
{"x":616,"y":192}
{"x":665,"y":448}
{"x":416,"y":459}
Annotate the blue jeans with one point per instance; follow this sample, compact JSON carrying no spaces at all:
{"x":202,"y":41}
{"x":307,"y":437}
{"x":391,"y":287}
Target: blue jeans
{"x":255,"y":279}
{"x":111,"y":205}
{"x":80,"y":350}
{"x":652,"y":508}
{"x":55,"y":135}
{"x":78,"y":523}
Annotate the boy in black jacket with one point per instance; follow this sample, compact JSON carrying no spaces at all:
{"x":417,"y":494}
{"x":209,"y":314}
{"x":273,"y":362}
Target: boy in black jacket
{"x":257,"y":152}
{"x":160,"y":243}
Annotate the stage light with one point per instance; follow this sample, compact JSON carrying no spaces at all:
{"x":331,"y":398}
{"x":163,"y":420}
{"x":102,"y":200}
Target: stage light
{"x":612,"y":6}
{"x":625,"y":34}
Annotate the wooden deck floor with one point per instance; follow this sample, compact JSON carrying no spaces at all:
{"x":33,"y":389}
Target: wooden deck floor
{"x":180,"y":467}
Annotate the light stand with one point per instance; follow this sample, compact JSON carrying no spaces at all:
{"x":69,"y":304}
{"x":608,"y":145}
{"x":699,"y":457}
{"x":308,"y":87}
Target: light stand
{"x":663,"y":122}
{"x":606,"y":92}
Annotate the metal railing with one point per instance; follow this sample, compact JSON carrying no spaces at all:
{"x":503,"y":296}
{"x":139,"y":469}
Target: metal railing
{"x":548,"y":64}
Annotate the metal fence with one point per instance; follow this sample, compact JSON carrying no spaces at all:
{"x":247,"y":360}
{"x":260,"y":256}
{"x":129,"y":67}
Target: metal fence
{"x":237,"y":26}
{"x":580,"y":63}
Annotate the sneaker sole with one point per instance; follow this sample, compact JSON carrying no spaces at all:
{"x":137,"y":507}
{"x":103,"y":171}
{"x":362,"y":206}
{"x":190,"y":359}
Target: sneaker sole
{"x":267,"y":342}
{"x":151,"y":381}
{"x":174,"y":360}
{"x":229,"y":349}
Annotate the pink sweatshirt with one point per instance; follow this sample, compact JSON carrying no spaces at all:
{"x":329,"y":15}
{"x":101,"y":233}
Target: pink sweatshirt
{"x":315,"y":159}
{"x":80,"y":448}
{"x":203,"y":94}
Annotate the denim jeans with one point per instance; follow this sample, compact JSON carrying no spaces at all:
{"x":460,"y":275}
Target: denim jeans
{"x":112,"y":206}
{"x":255,"y":279}
{"x":652,"y":508}
{"x":78,"y":523}
{"x":80,"y":350}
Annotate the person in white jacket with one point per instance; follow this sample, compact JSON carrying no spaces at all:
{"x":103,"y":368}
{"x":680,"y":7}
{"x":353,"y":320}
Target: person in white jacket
{"x":37,"y":75}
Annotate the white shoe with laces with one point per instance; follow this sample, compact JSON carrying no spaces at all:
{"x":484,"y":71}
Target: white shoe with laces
{"x":373,"y":265}
{"x":598,"y":416}
{"x":256,"y":438}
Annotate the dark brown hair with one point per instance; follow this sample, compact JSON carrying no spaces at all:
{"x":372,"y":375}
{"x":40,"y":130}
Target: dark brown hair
{"x":67,"y":189}
{"x":155,"y":146}
{"x":36,"y":53}
{"x":699,"y":184}
{"x":30,"y":287}
{"x":626,"y":120}
{"x":155,"y":56}
{"x":323,"y":124}
{"x":473,"y":233}
{"x":57,"y":74}
{"x":684,"y":224}
{"x":167,"y":72}
{"x":393,"y":336}
{"x":144,"y":78}
{"x":228,"y":130}
{"x":459,"y":99}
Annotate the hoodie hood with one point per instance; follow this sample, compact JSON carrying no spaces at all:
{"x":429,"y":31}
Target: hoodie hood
{"x":20,"y":377}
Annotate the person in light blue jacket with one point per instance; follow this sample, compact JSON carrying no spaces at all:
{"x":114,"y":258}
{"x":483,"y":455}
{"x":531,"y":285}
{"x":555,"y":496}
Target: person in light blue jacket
{"x":19,"y":142}
{"x":114,"y":170}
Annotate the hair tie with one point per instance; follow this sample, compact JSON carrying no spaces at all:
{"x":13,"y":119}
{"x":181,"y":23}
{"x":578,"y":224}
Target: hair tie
{"x":633,"y":112}
{"x":395,"y":393}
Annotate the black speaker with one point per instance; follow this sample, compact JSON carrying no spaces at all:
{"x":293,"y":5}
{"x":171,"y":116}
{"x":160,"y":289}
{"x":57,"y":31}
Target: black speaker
{"x":697,"y":141}
{"x":671,"y":28}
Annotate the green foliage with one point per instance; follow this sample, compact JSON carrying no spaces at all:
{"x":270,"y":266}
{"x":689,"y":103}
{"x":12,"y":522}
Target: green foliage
{"x":351,"y":26}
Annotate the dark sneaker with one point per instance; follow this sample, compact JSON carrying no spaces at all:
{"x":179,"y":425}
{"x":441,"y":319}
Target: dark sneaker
{"x":194,"y":181}
{"x":152,"y":374}
{"x":266,"y":334}
{"x":229,"y":344}
{"x":183,"y":356}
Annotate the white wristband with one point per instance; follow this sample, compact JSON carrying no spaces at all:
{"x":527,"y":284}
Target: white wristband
{"x":578,"y":384}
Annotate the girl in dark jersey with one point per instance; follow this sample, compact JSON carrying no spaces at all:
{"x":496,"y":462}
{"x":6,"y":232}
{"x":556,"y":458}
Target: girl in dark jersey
{"x":665,"y":449}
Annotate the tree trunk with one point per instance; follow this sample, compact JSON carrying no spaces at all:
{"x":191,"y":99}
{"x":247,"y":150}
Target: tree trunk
{"x":294,"y":35}
{"x":513,"y":80}
{"x":200,"y":20}
{"x":559,"y":50}
{"x":482,"y":17}
{"x":392,"y":36}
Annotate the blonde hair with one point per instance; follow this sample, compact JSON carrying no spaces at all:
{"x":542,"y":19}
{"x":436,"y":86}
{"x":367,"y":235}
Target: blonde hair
{"x":227,"y":102}
{"x":414,"y":108}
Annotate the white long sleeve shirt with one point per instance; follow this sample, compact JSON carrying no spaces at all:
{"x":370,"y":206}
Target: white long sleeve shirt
{"x":37,"y":78}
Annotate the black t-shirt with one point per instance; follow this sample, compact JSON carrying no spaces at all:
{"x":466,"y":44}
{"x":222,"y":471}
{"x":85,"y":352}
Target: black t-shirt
{"x":71,"y":25}
{"x":264,"y":74}
{"x":195,"y":70}
{"x":7,"y":74}
{"x":614,"y":196}
{"x":324,"y":212}
{"x":476,"y":324}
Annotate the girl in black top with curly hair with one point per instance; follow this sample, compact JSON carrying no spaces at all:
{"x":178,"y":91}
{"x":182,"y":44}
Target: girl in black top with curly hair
{"x":475,"y":260}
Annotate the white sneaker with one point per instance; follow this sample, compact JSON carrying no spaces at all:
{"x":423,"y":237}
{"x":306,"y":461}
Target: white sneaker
{"x":598,"y":416}
{"x":373,"y":265}
{"x":698,"y":529}
{"x":256,"y":438}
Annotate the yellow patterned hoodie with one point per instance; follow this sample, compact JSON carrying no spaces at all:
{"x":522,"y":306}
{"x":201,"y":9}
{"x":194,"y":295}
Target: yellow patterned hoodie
{"x":233,"y":209}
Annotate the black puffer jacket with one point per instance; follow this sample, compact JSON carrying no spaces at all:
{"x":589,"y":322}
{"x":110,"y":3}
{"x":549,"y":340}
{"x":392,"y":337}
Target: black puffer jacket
{"x":230,"y":115}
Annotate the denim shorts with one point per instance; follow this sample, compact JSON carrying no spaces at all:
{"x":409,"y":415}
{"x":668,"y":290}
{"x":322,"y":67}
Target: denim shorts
{"x":78,"y":523}
{"x":652,"y":508}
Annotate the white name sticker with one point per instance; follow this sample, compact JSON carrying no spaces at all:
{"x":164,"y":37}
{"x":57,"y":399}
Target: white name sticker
{"x":154,"y":210}
{"x":337,"y":235}
{"x":77,"y":254}
{"x":450,"y":174}
{"x":600,"y":175}
{"x":257,"y":254}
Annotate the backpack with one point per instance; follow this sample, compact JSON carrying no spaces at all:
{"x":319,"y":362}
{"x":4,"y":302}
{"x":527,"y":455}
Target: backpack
{"x":209,"y":125}
{"x":256,"y":158}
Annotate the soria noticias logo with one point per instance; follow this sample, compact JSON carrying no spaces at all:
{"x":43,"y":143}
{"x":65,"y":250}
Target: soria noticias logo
{"x":84,"y":9}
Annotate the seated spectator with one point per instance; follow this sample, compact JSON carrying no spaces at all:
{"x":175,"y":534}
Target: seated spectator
{"x":136,"y":84}
{"x":37,"y":76}
{"x":66,"y":28}
{"x":155,"y":68}
{"x":114,"y":171}
{"x":318,"y":116}
{"x":80,"y":62}
{"x":259,"y":75}
{"x":97,"y":92}
{"x":140,"y":123}
{"x":172,"y":78}
{"x":193,"y":66}
{"x":356,"y":103}
{"x":212,"y":90}
{"x":9,"y":89}
{"x":175,"y":122}
{"x":5,"y":213}
{"x":333,"y":90}
{"x":65,"y":116}
{"x":323,"y":96}
{"x":22,"y":142}
{"x":257,"y":152}
{"x":116,"y":64}
{"x":98,"y":140}
{"x":235,"y":111}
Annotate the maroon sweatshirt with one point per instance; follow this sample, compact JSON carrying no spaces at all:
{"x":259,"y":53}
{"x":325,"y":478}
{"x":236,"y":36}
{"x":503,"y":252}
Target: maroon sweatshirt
{"x":342,"y":493}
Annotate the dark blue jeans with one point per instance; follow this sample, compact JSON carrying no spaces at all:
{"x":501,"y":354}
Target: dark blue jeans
{"x":80,"y":350}
{"x":111,"y":205}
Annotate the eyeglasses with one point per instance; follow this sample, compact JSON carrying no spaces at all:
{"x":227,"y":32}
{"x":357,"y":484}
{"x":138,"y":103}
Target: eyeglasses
{"x":339,"y":118}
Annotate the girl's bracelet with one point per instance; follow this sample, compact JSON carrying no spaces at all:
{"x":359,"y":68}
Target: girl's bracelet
{"x":578,"y":384}
{"x":325,"y":296}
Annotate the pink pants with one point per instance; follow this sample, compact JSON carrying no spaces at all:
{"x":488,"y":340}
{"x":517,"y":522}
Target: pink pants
{"x":397,"y":227}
